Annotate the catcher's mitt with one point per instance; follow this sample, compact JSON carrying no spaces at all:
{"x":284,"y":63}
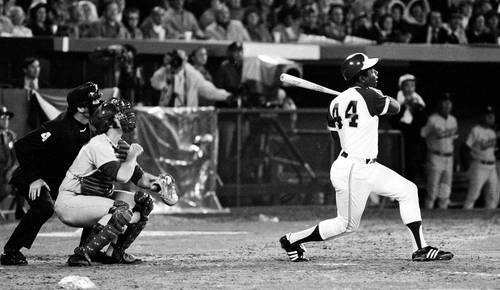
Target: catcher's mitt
{"x":165,"y":186}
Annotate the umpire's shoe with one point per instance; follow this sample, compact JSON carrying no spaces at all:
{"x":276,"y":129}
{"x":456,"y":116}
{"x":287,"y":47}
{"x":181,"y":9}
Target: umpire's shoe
{"x":294,"y":251}
{"x":431,"y":254}
{"x":13,"y":258}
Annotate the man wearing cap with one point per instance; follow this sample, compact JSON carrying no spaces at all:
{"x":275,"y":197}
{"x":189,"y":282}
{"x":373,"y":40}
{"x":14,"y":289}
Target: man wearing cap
{"x":7,"y":156}
{"x":44,"y":156}
{"x":353,"y":119}
{"x":440,"y":132}
{"x":181,"y":85}
{"x":409,"y":121}
{"x":481,"y":143}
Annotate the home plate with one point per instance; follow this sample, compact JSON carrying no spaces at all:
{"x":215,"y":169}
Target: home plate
{"x":78,"y":233}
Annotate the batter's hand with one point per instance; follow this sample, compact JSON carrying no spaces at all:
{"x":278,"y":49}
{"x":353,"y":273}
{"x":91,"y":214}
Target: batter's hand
{"x":36,"y":188}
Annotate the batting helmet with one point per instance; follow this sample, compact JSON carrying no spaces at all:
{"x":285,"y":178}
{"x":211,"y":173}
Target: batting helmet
{"x":104,"y":117}
{"x":356,"y":63}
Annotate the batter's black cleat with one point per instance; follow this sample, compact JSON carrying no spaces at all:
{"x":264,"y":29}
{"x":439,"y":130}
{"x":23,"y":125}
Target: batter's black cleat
{"x":13,"y":258}
{"x":120,"y":257}
{"x":295,"y":252}
{"x":431,"y":254}
{"x":77,"y":260}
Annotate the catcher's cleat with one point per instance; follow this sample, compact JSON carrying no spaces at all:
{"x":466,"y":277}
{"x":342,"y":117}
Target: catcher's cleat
{"x":295,"y":252}
{"x":430,"y":254}
{"x":77,"y":260}
{"x":119,"y":257}
{"x":13,"y":258}
{"x":101,"y":257}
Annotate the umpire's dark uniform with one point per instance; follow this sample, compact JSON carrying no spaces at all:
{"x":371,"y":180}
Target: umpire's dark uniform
{"x":45,"y":153}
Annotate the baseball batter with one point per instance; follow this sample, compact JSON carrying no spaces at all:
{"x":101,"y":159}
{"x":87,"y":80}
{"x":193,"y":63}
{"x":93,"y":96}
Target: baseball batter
{"x":481,"y":143}
{"x":440,"y":132}
{"x":87,"y":198}
{"x":354,"y":117}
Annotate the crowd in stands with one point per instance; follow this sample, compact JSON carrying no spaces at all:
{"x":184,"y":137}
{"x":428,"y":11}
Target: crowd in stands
{"x":330,"y":21}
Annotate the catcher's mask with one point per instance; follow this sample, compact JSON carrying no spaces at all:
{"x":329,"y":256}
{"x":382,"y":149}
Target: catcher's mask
{"x":104,"y":117}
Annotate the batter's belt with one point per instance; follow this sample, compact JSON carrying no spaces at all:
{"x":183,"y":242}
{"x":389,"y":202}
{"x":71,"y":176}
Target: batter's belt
{"x":365,"y":160}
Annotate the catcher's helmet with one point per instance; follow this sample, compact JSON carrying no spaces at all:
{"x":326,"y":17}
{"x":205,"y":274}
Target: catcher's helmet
{"x":356,"y":63}
{"x":104,"y":117}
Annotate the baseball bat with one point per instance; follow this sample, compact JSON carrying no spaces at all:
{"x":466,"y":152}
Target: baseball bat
{"x":298,"y":82}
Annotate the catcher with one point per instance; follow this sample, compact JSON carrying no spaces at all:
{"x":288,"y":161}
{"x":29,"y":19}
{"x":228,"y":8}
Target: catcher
{"x":87,"y":197}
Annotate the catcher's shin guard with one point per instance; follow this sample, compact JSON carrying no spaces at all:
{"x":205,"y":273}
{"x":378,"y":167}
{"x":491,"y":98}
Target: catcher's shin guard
{"x":125,"y":240}
{"x":120,"y":218}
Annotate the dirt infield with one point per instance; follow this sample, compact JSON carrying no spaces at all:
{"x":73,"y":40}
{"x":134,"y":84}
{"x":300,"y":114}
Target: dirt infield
{"x":246,"y":255}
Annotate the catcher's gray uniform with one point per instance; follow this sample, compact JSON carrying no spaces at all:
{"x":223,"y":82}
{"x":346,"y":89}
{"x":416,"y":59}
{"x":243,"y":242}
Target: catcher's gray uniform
{"x":73,"y":207}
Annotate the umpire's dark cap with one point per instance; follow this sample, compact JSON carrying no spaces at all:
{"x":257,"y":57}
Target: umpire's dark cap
{"x":83,"y":95}
{"x":5,"y":112}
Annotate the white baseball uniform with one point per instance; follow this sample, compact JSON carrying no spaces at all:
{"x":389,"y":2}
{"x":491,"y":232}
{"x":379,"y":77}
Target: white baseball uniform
{"x":482,"y":172}
{"x":440,"y":134}
{"x":78,"y":210}
{"x":354,"y":114}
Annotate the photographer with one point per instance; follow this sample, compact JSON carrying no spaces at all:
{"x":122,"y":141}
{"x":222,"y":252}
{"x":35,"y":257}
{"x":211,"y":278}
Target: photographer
{"x":181,"y":85}
{"x":118,"y":62}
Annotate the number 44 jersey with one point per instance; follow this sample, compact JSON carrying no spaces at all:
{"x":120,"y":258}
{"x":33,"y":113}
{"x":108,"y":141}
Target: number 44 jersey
{"x":354,"y":115}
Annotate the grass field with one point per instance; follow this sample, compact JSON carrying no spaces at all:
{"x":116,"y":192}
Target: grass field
{"x":240,"y":251}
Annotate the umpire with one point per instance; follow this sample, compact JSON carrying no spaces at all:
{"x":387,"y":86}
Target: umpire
{"x":45,"y":155}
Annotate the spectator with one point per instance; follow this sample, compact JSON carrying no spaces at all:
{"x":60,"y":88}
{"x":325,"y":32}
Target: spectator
{"x":480,"y":145}
{"x":323,"y":8}
{"x":181,"y":84}
{"x":198,"y":59}
{"x":309,"y":22}
{"x":288,"y":28}
{"x":287,"y":5}
{"x":416,"y":12}
{"x":89,"y":11}
{"x":109,"y":26}
{"x":178,"y":20}
{"x":434,"y":32}
{"x":8,"y":161}
{"x":335,"y":27}
{"x":363,"y":27}
{"x":208,"y":17}
{"x":131,"y":23}
{"x":228,"y":77}
{"x":409,"y":121}
{"x":397,"y":8}
{"x":492,"y":25}
{"x":256,"y":29}
{"x":31,"y":70}
{"x":380,"y":8}
{"x":39,"y":22}
{"x":121,"y":9}
{"x":457,"y":32}
{"x":5,"y":23}
{"x":16,"y":15}
{"x":466,"y":9}
{"x":483,"y":7}
{"x":384,"y":30}
{"x":266,"y":13}
{"x":236,"y":12}
{"x":60,"y":8}
{"x":477,"y":31}
{"x":152,"y":27}
{"x":226,"y":29}
{"x":440,"y":133}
